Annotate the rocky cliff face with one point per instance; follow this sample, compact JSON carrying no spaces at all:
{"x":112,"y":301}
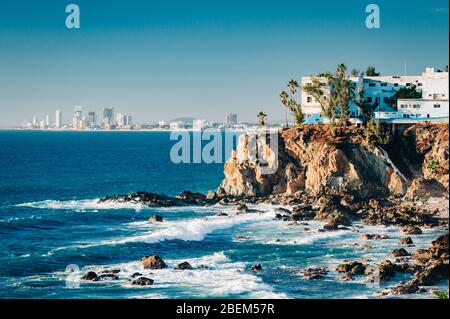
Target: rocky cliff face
{"x":319,"y":160}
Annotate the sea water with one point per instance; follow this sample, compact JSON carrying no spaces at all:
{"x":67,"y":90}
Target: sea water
{"x":50,"y":218}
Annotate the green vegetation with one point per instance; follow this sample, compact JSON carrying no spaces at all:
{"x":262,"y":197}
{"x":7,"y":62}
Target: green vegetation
{"x":288,"y":102}
{"x":373,"y":133}
{"x":432,"y":165}
{"x":441,"y":294}
{"x":284,"y":96}
{"x":370,"y":71}
{"x":404,"y":93}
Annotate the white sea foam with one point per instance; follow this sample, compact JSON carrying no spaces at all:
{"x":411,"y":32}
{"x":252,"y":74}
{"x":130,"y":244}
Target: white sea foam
{"x":189,"y":230}
{"x":83,"y":205}
{"x":222,"y":278}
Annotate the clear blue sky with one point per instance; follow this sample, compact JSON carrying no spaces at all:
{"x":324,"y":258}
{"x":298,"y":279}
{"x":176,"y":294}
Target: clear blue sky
{"x":165,"y":59}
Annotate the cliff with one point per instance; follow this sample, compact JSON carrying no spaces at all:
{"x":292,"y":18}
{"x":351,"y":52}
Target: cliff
{"x":322,"y":160}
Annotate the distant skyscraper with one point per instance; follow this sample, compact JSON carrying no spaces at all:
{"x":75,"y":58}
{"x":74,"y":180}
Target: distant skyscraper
{"x":108,"y":116}
{"x":91,"y":120}
{"x":58,"y":119}
{"x":35,"y":121}
{"x":120,"y":119}
{"x":231,"y":119}
{"x":78,"y":118}
{"x":47,"y":120}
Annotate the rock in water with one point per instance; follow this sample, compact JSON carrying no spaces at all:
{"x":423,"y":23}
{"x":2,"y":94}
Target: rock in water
{"x":153,"y":262}
{"x":406,"y":241}
{"x":401,"y":252}
{"x":156,"y":218}
{"x":142,"y":281}
{"x":352,"y":268}
{"x":256,"y":267}
{"x":315,"y":272}
{"x":90,"y":276}
{"x":184,"y":266}
{"x":411,"y":230}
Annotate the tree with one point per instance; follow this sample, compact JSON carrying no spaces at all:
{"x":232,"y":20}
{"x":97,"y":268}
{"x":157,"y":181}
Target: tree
{"x":284,"y":96}
{"x":319,"y":89}
{"x":298,"y":115}
{"x":370,"y":71}
{"x":262,"y":118}
{"x":367,"y":109}
{"x":404,"y":93}
{"x":355,"y":72}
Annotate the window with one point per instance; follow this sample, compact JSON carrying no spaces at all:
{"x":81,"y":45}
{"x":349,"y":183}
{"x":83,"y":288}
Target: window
{"x":419,"y":84}
{"x":372,"y":84}
{"x":385,"y":99}
{"x":437,"y":106}
{"x":383,"y":84}
{"x":408,"y":84}
{"x":308,"y":84}
{"x":406,"y":115}
{"x":428,"y":115}
{"x":395,"y":84}
{"x":309,"y":99}
{"x":403,"y":106}
{"x":369,"y":99}
{"x":416,"y":106}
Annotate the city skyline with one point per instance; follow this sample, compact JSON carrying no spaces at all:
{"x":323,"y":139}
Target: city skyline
{"x":201,"y":59}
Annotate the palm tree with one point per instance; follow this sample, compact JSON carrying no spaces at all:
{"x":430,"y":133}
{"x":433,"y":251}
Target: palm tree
{"x":262,"y":118}
{"x":292,"y":85}
{"x":340,"y":71}
{"x":284,"y":96}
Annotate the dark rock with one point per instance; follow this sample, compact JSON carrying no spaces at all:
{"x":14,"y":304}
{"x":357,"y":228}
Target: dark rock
{"x":153,"y":262}
{"x":411,"y":230}
{"x":283,"y":211}
{"x":256,"y":267}
{"x":303,"y":212}
{"x":401,"y":252}
{"x":431,"y":274}
{"x":406,"y":241}
{"x":203,"y":267}
{"x":184,"y":266}
{"x":145,"y":198}
{"x":111,"y":271}
{"x":189,"y":197}
{"x":156,"y":218}
{"x":136,"y":274}
{"x":352,"y":267}
{"x":90,"y":276}
{"x":240,"y":237}
{"x":221,"y":214}
{"x":142,"y":281}
{"x":315,"y":272}
{"x":405,"y":288}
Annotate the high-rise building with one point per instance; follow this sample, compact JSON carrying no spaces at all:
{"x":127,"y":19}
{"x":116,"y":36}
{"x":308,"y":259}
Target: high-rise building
{"x":91,"y":120}
{"x":35,"y":121}
{"x":47,"y":120}
{"x":120,"y":119}
{"x":231,"y":119}
{"x":108,"y":116}
{"x":78,"y":118}
{"x":58,"y":119}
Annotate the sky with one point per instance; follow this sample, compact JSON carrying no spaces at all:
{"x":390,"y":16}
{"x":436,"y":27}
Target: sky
{"x":158,"y":60}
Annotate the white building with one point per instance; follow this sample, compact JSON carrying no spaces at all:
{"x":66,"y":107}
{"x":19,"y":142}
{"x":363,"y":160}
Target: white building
{"x":77,"y":122}
{"x":58,"y":119}
{"x":174,"y":126}
{"x":378,"y":89}
{"x":198,"y":125}
{"x":231,"y":119}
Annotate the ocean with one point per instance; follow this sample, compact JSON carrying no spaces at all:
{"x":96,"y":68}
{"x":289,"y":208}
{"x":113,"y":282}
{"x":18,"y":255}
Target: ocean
{"x":50,"y":223}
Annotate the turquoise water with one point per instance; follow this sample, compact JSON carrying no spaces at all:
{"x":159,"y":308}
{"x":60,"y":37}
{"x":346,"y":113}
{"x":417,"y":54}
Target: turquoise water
{"x":50,"y":218}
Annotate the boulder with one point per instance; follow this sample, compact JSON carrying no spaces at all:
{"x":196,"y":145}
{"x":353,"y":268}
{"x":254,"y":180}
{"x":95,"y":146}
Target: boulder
{"x":142,"y":281}
{"x":406,"y":241}
{"x":400,"y":252}
{"x":411,"y":230}
{"x":351,"y":267}
{"x":184,"y":266}
{"x":256,"y":267}
{"x":156,"y":218}
{"x":90,"y":276}
{"x":405,"y":288}
{"x":315,"y":272}
{"x":153,"y":262}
